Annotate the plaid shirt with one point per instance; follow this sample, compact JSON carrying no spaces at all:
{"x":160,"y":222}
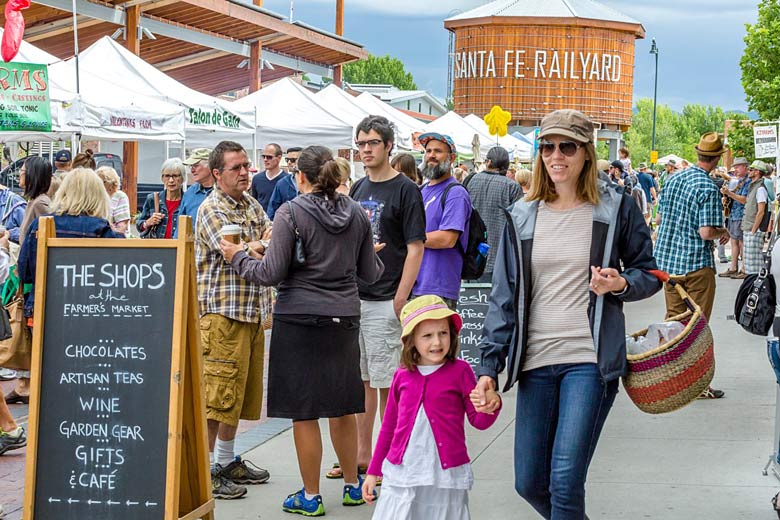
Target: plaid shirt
{"x":689,"y":201}
{"x":490,"y":194}
{"x":220,"y":289}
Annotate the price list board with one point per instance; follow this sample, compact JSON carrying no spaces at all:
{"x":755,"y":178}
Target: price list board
{"x":472,"y":308}
{"x":105,"y":382}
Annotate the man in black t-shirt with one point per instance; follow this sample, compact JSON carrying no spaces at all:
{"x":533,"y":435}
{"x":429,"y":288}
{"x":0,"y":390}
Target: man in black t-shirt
{"x":395,"y":207}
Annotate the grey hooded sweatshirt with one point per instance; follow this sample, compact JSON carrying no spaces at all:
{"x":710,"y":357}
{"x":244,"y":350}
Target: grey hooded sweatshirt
{"x":339,"y":249}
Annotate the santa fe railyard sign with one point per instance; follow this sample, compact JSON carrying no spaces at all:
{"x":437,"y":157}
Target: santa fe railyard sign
{"x":541,"y":64}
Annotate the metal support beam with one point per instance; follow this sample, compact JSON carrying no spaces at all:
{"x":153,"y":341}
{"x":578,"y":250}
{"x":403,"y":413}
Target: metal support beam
{"x":186,"y":61}
{"x":189,"y":35}
{"x":65,"y":25}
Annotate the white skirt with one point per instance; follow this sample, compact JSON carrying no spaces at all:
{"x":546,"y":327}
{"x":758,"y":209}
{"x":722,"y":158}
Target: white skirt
{"x":421,"y":503}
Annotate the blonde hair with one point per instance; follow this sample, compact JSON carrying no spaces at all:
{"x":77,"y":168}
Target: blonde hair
{"x":523,"y":176}
{"x":345,"y":170}
{"x":109,"y":176}
{"x":543,"y":188}
{"x":82,"y":193}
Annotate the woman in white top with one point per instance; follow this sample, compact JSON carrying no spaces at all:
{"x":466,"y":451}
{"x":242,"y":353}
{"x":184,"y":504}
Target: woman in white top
{"x":120,"y":204}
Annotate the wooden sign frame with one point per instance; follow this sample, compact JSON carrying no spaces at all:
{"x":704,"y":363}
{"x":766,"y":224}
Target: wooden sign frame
{"x":187,"y":449}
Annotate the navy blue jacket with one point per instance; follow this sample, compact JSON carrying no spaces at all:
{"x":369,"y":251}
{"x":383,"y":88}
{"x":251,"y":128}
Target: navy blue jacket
{"x":286,"y":189}
{"x":66,"y":226}
{"x":618,"y":225}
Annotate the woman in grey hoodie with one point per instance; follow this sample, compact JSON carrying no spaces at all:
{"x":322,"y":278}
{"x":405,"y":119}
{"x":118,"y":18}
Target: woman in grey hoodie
{"x":314,"y":367}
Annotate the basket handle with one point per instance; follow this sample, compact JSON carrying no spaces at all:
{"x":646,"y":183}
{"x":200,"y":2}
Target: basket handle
{"x":664,"y":277}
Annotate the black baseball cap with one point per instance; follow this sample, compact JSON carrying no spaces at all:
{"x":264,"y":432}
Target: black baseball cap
{"x":617,"y":164}
{"x":62,"y":156}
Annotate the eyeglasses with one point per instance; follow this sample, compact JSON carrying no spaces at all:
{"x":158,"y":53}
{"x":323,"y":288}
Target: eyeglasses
{"x":237,"y":168}
{"x":168,"y":176}
{"x":567,"y":148}
{"x":371,"y":142}
{"x":267,"y":157}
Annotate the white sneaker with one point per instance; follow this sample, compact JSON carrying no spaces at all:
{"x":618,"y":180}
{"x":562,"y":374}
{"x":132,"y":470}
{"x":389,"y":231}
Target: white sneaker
{"x":6,"y":374}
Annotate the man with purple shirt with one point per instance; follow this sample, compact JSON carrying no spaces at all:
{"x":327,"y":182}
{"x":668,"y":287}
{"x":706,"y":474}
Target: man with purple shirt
{"x":445,"y":223}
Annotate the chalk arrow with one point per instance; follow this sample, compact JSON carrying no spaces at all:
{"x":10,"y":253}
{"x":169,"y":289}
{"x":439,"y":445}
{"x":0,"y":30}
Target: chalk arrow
{"x":112,"y":503}
{"x":72,"y":501}
{"x":54,"y":500}
{"x":150,"y":503}
{"x":90,"y":502}
{"x":131,"y":503}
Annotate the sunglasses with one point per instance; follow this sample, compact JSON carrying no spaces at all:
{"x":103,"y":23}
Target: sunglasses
{"x":292,"y":160}
{"x":567,"y":148}
{"x":267,"y":157}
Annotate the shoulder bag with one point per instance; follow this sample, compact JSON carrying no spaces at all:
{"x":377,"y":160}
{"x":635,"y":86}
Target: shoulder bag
{"x":299,"y":252}
{"x":754,"y":308}
{"x":16,"y":350}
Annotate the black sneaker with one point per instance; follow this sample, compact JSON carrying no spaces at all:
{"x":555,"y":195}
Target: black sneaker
{"x":12,"y":440}
{"x":222,"y":487}
{"x":239,"y":473}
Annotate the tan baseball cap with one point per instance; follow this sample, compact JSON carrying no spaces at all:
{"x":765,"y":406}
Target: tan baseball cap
{"x":197,"y":155}
{"x":568,"y":123}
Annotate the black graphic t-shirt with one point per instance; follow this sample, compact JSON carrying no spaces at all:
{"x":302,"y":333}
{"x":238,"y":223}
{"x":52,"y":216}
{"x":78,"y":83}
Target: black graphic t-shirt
{"x":395,"y":209}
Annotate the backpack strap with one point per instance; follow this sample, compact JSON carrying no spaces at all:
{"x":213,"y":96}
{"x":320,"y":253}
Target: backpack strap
{"x":444,"y":201}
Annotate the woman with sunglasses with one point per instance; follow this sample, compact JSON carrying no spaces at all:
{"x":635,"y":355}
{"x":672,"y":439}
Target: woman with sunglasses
{"x":573,"y":250}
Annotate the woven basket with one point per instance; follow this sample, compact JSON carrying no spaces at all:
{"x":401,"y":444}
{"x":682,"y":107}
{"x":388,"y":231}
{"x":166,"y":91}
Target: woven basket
{"x":674,"y":374}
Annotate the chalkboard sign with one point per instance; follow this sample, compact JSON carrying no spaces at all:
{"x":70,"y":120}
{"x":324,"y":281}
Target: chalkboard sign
{"x":472,"y":307}
{"x":105,"y":383}
{"x":116,"y":405}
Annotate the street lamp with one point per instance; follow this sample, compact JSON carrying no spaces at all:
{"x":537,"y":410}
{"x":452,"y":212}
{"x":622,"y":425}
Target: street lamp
{"x":653,"y":152}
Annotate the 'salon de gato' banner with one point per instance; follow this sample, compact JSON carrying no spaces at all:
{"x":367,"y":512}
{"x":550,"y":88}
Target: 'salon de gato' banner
{"x":24,"y":98}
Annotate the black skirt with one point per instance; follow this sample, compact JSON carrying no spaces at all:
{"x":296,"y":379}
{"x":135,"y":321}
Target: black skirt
{"x":314,"y":367}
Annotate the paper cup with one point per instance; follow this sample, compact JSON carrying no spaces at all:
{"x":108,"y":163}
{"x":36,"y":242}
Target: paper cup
{"x":231,"y":233}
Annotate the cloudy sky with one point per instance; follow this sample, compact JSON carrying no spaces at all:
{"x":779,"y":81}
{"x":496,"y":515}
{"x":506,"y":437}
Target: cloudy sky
{"x":700,"y":41}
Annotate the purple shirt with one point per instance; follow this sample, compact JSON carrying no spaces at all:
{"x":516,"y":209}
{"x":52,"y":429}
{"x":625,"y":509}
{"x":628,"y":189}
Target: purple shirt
{"x":440,"y":269}
{"x":445,"y":397}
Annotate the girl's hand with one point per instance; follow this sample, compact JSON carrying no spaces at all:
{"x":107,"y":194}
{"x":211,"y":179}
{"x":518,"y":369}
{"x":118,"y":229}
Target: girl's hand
{"x":229,"y":249}
{"x":606,"y":280}
{"x":369,"y":488}
{"x":484,"y":396}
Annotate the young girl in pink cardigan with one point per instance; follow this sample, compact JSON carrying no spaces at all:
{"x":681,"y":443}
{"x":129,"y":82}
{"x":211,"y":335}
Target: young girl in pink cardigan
{"x":421,"y":450}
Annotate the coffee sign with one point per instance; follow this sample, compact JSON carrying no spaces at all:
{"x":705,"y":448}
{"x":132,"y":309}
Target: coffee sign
{"x":24,"y":97}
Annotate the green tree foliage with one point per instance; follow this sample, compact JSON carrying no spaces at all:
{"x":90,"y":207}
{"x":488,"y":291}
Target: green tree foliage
{"x":380,"y":70}
{"x":760,"y":62}
{"x":740,"y":140}
{"x":676,"y":132}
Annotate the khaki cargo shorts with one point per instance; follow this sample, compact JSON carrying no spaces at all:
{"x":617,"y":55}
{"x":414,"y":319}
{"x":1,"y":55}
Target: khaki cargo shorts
{"x":233,"y":368}
{"x":380,"y":343}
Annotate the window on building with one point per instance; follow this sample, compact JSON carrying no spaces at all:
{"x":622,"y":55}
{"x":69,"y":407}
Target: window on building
{"x":408,"y":104}
{"x":419,"y":107}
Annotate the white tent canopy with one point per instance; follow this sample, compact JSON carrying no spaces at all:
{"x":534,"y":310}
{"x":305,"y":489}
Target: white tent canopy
{"x":341,"y":103}
{"x":290,"y":115}
{"x":208,"y":119}
{"x":513,"y":145}
{"x":666,"y":158}
{"x":64,"y":103}
{"x":110,"y":110}
{"x":405,"y":125}
{"x":462,"y":133}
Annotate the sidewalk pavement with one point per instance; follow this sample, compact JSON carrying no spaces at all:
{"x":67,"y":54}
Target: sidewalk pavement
{"x":701,"y":462}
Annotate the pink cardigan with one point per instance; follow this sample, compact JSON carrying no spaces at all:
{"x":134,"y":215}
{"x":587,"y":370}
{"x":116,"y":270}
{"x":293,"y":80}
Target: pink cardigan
{"x":445,"y":397}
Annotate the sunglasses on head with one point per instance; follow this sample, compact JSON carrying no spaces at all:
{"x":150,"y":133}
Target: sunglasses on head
{"x":567,"y":148}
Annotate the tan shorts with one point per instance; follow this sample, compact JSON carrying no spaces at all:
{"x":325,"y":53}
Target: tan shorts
{"x":233,"y":368}
{"x":380,"y":343}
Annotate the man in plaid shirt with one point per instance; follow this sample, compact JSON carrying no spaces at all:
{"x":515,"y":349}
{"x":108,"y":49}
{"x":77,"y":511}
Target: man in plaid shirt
{"x":691,"y":218}
{"x":231,"y":314}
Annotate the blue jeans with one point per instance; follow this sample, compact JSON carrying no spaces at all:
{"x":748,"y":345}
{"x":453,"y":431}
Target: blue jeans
{"x":561,"y":410}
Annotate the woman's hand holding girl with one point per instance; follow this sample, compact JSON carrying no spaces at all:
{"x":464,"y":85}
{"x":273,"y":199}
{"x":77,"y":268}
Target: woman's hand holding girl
{"x":484,"y":396}
{"x":606,"y":280}
{"x":369,"y":488}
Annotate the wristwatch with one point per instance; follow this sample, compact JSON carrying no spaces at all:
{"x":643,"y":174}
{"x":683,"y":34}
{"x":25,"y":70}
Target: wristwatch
{"x":246,"y":248}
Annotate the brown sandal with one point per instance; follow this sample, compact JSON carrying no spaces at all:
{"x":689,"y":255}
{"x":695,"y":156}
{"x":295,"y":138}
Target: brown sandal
{"x":335,"y":471}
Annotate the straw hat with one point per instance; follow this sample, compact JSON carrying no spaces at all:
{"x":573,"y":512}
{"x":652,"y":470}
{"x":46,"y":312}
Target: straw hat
{"x":427,"y":308}
{"x":711,"y":145}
